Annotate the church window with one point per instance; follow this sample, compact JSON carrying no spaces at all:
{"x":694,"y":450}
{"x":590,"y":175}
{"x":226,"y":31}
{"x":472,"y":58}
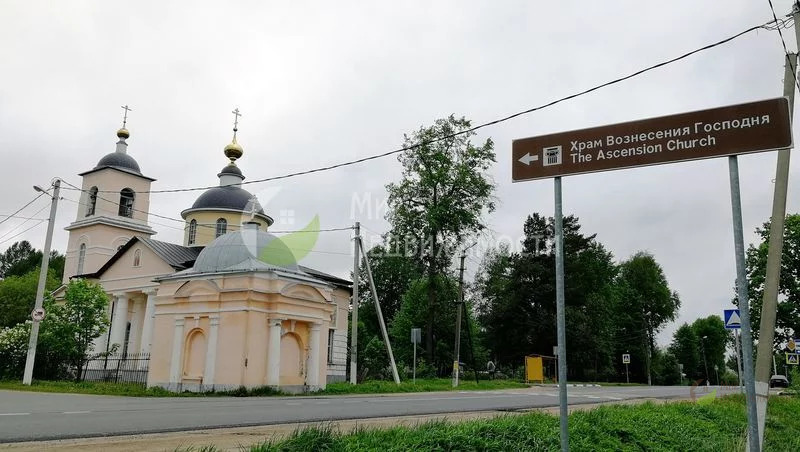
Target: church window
{"x":126,"y":197}
{"x":137,"y":258}
{"x":90,"y":206}
{"x":222,"y":226}
{"x":81,"y":257}
{"x":192,"y":232}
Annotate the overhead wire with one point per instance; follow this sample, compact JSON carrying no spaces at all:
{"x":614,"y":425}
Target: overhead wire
{"x":470,"y":130}
{"x":20,"y":233}
{"x":783,"y":42}
{"x":25,"y":222}
{"x":22,"y":208}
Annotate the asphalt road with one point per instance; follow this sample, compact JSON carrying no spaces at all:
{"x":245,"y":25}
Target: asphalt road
{"x":30,"y":416}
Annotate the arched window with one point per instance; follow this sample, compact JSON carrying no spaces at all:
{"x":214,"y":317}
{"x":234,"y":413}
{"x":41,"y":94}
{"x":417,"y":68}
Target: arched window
{"x":126,"y":197}
{"x":90,"y":206}
{"x":222,"y":226}
{"x":81,"y":258}
{"x":137,"y":258}
{"x":192,"y":232}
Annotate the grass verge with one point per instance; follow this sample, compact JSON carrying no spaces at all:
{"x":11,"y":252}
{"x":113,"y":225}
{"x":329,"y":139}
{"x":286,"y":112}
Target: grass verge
{"x":368,"y":387}
{"x":716,"y":426}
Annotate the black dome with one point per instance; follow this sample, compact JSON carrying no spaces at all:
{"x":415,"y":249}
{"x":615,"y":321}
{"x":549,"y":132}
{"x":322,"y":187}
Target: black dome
{"x":119,"y":160}
{"x":228,"y":197}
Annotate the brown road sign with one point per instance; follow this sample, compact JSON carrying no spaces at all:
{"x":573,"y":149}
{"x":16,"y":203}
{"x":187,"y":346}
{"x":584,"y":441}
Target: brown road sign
{"x":736,"y":129}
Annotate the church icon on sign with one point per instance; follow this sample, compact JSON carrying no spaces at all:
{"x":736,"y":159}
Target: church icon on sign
{"x":551,"y":156}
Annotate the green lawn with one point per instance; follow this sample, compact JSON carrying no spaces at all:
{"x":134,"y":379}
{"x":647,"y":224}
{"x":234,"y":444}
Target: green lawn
{"x":368,"y":387}
{"x":717,"y":426}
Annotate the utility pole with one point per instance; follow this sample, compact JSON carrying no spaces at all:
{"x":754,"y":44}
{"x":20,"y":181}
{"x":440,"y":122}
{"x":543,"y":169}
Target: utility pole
{"x":705,"y":364}
{"x":31,"y":358}
{"x":354,"y":315}
{"x":457,"y":352}
{"x":738,"y":357}
{"x":769,"y":304}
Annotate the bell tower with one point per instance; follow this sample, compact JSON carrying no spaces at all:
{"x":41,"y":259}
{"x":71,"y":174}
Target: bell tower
{"x":113,"y":208}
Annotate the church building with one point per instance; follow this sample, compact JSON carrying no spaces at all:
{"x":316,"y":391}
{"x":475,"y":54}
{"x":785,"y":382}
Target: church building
{"x":228,"y":307}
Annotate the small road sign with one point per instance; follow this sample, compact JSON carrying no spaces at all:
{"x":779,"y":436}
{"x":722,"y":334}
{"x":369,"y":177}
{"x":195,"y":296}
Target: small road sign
{"x":735,"y":129}
{"x":792,"y":359}
{"x":626,"y":358}
{"x":37,"y":314}
{"x":416,"y":335}
{"x":732,"y":319}
{"x":792,"y":346}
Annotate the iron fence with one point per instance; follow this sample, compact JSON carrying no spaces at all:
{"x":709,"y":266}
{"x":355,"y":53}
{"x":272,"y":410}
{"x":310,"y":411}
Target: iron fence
{"x":118,"y":368}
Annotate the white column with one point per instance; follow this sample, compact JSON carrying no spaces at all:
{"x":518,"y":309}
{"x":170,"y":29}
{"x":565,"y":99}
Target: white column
{"x":120,"y":321}
{"x":176,"y":364}
{"x":149,"y":318}
{"x":274,"y":353}
{"x":211,"y":352}
{"x":312,"y":378}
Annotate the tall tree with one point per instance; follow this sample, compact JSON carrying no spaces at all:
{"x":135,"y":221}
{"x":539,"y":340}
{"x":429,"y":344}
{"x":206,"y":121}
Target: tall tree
{"x":21,"y":258}
{"x":713,"y":339}
{"x":442,"y":197}
{"x":788,"y":316}
{"x":686,"y":348}
{"x":517,"y":299}
{"x":646,"y":301}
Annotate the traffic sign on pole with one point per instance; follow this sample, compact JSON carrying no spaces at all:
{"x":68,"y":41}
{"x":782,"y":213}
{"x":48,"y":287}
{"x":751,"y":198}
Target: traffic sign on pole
{"x":626,"y":358}
{"x":732,"y":319}
{"x":792,"y":359}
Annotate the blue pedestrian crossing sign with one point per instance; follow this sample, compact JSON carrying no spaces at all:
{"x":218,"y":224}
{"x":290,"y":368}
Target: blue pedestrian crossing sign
{"x":792,"y":359}
{"x":732,"y":319}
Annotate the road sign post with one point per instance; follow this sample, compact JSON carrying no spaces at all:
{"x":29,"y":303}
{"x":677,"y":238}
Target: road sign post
{"x":626,"y":359}
{"x":416,"y":338}
{"x":726,"y":131}
{"x":733,"y":321}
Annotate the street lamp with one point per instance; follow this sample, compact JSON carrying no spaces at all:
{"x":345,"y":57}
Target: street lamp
{"x":705,"y":364}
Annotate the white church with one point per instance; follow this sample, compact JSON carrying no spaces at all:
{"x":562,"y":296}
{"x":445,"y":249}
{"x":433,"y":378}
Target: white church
{"x":228,"y":307}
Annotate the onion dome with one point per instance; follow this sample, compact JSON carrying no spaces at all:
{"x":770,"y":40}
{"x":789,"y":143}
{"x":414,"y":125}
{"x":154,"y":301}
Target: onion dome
{"x":248,"y":249}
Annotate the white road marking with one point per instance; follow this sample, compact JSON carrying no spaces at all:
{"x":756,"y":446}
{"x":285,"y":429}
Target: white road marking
{"x":323,"y":403}
{"x":14,"y":414}
{"x":76,"y":412}
{"x":293,"y":403}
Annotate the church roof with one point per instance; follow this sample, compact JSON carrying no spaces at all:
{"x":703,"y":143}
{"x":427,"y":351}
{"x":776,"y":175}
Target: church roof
{"x":176,"y":256}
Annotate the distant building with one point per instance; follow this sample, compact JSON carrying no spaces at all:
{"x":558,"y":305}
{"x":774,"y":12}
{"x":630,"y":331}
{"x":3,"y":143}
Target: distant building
{"x":227,"y":308}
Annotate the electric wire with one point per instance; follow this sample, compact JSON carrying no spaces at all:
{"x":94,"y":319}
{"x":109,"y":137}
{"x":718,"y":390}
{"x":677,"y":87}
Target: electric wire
{"x":20,"y":233}
{"x":26,"y":221}
{"x":783,"y":42}
{"x":22,"y":208}
{"x":470,"y":130}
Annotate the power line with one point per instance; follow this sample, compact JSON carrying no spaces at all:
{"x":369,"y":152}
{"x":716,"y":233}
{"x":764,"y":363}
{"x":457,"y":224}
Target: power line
{"x":20,"y":233}
{"x":483,"y":125}
{"x":785,"y":49}
{"x":22,"y":208}
{"x":24,"y":222}
{"x":22,"y":218}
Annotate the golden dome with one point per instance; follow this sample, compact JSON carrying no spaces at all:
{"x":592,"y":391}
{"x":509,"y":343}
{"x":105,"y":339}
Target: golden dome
{"x":233,"y":151}
{"x":123,"y":133}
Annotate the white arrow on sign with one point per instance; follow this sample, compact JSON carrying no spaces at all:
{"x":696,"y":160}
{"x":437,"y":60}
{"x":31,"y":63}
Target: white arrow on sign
{"x":528,"y":158}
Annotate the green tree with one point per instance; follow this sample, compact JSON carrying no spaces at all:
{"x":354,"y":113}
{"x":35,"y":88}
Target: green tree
{"x":645,"y":303}
{"x":517,"y":299}
{"x":713,"y":339}
{"x":442,"y":197}
{"x":686,"y":349}
{"x":18,"y":294}
{"x":21,"y":258}
{"x":788,"y":314}
{"x":77,"y":322}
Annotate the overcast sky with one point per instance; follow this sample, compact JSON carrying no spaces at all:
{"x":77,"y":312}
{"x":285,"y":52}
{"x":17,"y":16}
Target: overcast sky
{"x":323,"y":82}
